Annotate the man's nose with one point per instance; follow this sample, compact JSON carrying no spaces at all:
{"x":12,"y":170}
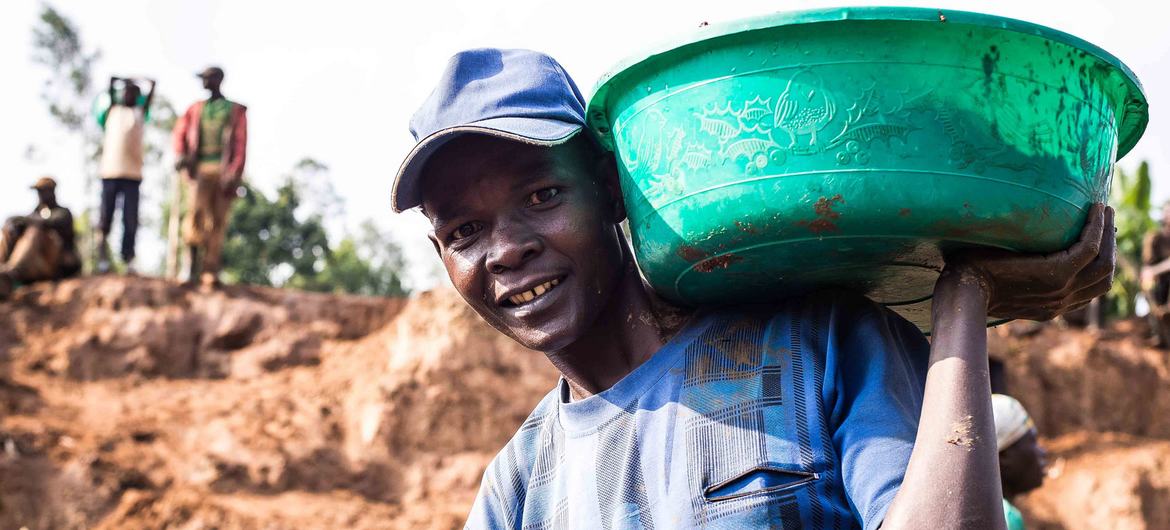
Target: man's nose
{"x":513,"y":245}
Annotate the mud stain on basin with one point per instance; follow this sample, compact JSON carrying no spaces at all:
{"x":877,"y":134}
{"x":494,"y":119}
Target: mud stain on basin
{"x":690,"y":253}
{"x":826,"y":216}
{"x":718,"y":262}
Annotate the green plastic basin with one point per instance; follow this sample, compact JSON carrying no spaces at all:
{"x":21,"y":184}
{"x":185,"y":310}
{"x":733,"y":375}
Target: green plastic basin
{"x":854,"y":147}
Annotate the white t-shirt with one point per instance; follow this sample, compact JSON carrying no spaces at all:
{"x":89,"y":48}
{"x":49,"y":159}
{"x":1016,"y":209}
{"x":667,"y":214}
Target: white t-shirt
{"x":122,"y":146}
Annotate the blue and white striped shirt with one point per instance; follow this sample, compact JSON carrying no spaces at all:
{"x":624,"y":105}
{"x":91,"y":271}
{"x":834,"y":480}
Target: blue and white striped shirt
{"x":800,"y":415}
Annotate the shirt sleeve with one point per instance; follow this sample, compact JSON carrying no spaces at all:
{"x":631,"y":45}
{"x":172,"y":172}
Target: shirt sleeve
{"x":487,"y":511}
{"x":876,"y":365}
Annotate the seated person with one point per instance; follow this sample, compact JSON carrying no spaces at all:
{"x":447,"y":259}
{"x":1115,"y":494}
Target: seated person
{"x":1021,"y":459}
{"x":39,"y":246}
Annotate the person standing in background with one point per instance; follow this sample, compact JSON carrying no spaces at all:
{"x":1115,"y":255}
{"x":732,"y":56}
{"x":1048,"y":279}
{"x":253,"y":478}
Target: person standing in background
{"x":1154,"y":277}
{"x":210,"y":141}
{"x":121,"y":166}
{"x":1021,"y":459}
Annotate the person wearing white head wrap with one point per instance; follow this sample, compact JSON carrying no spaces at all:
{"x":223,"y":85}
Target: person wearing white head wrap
{"x":1012,"y":422}
{"x":1021,"y":459}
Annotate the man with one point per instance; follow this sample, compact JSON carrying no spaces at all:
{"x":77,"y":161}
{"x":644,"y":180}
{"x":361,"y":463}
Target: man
{"x":210,"y":144}
{"x":1155,"y":281}
{"x":39,"y":246}
{"x":121,"y":167}
{"x":801,"y":414}
{"x":1021,"y":459}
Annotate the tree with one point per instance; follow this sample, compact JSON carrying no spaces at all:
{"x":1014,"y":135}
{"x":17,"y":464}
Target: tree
{"x":267,"y":244}
{"x":282,"y":243}
{"x":368,"y":264}
{"x":57,"y":46}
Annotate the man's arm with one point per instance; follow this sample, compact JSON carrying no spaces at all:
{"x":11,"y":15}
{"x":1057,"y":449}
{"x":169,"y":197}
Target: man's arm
{"x":239,"y":152}
{"x":1151,"y":266}
{"x":179,"y":142}
{"x":953,"y":480}
{"x":110,"y":92}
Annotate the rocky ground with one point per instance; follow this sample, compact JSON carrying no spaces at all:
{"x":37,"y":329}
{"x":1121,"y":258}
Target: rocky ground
{"x":135,"y":404}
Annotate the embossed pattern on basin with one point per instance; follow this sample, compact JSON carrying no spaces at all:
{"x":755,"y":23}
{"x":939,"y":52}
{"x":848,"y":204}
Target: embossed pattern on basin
{"x":854,"y":147}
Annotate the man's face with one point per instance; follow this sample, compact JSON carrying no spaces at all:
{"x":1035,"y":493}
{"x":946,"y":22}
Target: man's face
{"x":212,"y":82}
{"x":130,"y":95}
{"x":1022,"y":464}
{"x":46,"y":195}
{"x":528,"y":234}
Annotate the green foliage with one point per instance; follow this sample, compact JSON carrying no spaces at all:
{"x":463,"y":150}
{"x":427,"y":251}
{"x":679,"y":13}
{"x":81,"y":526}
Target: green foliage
{"x":267,"y":244}
{"x":57,"y":45}
{"x":1131,"y":202}
{"x":273,"y":242}
{"x":368,"y":264}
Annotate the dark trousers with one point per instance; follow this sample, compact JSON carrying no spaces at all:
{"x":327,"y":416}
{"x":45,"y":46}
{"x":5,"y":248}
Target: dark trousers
{"x":127,"y":189}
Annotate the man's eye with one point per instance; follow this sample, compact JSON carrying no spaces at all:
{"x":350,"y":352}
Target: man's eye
{"x":542,"y":196}
{"x":465,"y":230}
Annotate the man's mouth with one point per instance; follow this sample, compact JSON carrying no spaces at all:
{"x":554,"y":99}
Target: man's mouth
{"x":528,"y":296}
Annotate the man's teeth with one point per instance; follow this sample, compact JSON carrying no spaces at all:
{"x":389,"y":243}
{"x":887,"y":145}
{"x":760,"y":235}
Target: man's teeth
{"x":527,"y":296}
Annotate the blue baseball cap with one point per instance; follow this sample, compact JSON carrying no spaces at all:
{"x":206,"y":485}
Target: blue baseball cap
{"x":519,"y":95}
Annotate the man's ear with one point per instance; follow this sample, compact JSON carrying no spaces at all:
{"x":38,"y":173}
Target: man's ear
{"x":608,"y":171}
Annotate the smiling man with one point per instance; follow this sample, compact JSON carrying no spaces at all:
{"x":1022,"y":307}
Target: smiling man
{"x":821,"y":411}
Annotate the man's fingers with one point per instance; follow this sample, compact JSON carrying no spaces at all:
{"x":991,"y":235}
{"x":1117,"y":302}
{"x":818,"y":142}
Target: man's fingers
{"x":1088,"y":246}
{"x":1104,"y":264}
{"x":1101,"y":287}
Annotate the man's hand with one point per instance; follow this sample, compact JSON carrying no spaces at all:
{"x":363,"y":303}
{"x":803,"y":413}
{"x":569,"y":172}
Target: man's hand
{"x":1149,"y":278}
{"x":229,"y":187}
{"x":186,"y":164}
{"x":1042,"y":286}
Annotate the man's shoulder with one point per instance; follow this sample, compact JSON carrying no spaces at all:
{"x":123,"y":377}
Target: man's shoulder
{"x":513,"y":464}
{"x":539,"y":423}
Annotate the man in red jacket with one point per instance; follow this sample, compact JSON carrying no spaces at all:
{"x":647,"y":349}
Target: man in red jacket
{"x":210,"y":143}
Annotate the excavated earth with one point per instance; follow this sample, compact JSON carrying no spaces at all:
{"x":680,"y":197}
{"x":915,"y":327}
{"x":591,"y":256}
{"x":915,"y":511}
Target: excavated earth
{"x":132,"y":403}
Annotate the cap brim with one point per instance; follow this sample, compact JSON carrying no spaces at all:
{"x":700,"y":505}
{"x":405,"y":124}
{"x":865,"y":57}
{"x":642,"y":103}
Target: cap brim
{"x":407,"y":194}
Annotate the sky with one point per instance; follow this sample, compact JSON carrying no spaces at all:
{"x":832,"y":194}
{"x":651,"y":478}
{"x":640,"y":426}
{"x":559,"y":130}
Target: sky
{"x":338,"y":81}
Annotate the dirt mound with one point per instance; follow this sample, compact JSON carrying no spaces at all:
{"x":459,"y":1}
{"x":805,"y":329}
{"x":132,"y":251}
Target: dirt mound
{"x":1113,"y":481}
{"x":133,"y":403}
{"x":1071,"y":380}
{"x":1101,"y":402}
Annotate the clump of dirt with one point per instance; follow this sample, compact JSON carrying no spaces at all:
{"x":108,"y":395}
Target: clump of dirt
{"x":961,"y":433}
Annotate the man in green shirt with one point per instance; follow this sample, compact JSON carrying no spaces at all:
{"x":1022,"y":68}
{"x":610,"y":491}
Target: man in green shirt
{"x":210,"y":142}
